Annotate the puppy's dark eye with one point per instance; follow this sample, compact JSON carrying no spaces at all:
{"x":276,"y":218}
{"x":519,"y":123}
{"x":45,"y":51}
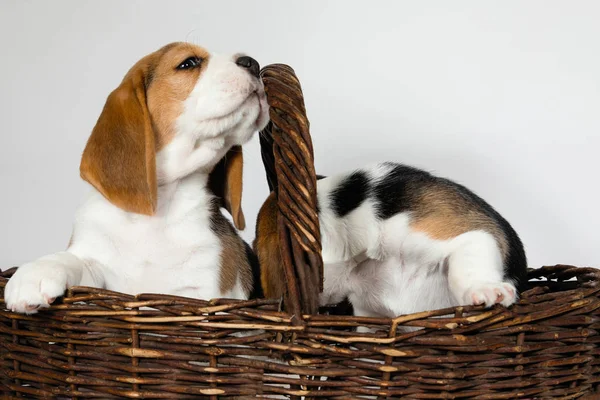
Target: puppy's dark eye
{"x":189,"y":63}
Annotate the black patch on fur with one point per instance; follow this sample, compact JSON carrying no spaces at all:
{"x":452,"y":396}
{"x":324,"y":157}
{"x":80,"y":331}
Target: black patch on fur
{"x":343,"y":308}
{"x":394,"y":193}
{"x":257,"y":290}
{"x":515,"y":264}
{"x":350,"y":194}
{"x":218,"y":223}
{"x":397,"y":191}
{"x":266,"y":150}
{"x":319,"y":177}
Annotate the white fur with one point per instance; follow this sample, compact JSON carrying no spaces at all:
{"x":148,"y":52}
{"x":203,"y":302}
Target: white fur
{"x":387,"y":269}
{"x":226,"y":107}
{"x":173,"y":251}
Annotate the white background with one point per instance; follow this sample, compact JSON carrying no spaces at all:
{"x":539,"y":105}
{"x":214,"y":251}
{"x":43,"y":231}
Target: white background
{"x":502,"y":96}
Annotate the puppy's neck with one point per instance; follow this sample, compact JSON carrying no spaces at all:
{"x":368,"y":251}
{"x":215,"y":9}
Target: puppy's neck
{"x":185,"y":155}
{"x":183,"y":195}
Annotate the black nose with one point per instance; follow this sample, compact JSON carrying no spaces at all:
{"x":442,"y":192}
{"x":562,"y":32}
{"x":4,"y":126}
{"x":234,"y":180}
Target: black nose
{"x":250,"y":64}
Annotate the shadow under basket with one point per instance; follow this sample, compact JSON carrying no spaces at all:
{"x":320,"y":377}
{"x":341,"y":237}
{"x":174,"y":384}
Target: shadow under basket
{"x":100,"y":344}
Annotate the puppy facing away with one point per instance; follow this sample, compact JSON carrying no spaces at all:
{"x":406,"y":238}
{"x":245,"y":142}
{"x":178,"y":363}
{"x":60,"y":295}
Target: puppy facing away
{"x":162,"y":159}
{"x":398,"y":240}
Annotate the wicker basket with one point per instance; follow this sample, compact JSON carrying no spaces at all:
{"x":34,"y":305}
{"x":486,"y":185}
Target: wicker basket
{"x":101,"y":344}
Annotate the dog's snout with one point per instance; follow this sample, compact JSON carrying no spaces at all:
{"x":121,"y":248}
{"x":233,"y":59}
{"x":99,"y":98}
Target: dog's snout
{"x":250,"y":64}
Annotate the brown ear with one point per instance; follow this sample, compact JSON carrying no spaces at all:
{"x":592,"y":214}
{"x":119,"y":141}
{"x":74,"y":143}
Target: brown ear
{"x":225,"y":181}
{"x":119,"y":159}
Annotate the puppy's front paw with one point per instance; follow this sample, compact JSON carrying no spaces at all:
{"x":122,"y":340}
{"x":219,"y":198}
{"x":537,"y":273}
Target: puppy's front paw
{"x":37,"y":284}
{"x":490,"y":293}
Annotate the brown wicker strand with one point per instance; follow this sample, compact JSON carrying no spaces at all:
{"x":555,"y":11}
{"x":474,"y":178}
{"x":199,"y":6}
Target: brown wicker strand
{"x":189,"y":348}
{"x":295,"y":185}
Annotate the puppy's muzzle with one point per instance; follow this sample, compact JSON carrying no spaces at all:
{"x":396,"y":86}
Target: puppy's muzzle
{"x":249,"y":64}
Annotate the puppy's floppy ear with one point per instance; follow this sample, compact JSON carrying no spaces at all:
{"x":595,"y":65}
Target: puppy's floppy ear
{"x":119,"y":159}
{"x":225,"y":181}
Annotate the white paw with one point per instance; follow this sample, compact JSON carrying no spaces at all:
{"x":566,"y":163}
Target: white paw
{"x":37,"y":284}
{"x":490,"y":293}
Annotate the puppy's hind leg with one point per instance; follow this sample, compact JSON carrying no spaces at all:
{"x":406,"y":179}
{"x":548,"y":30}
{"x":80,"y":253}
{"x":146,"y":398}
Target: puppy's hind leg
{"x":476,"y":271}
{"x":361,"y":310}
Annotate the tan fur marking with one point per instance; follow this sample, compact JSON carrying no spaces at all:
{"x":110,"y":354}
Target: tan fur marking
{"x":442,"y":213}
{"x":234,"y":262}
{"x":170,"y":87}
{"x":120,"y":156}
{"x":266,"y":247}
{"x":225,"y":181}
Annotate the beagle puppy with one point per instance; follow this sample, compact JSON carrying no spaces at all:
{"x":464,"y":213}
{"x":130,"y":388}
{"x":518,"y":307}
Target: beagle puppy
{"x":398,"y":240}
{"x":162,"y":159}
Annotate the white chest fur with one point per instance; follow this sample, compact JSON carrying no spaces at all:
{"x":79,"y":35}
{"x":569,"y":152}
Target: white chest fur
{"x":174,"y":251}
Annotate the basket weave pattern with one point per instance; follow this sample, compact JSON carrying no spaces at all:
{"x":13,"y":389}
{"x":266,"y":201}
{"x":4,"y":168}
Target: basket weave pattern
{"x":101,"y":344}
{"x":287,"y":153}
